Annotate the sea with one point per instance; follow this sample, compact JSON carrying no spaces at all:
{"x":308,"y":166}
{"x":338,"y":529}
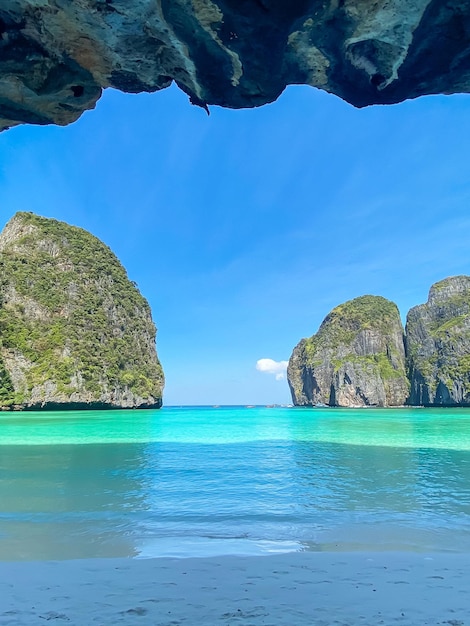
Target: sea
{"x":205,"y":481}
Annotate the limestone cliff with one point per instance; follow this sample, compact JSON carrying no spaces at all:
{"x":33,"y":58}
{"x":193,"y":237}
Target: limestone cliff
{"x":56,"y":56}
{"x":357,"y":358}
{"x":74,"y":331}
{"x":438,"y":345}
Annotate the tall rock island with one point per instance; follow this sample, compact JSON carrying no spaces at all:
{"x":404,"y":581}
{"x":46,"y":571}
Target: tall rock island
{"x":357,"y":358}
{"x":438,"y":345}
{"x":74,"y":331}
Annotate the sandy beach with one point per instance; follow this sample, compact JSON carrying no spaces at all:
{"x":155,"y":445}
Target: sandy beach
{"x":314,"y":588}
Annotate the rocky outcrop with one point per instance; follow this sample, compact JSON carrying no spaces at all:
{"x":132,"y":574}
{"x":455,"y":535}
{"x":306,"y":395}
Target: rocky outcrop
{"x":56,"y":56}
{"x":74,"y":331}
{"x":438,"y":345}
{"x":357,"y":358}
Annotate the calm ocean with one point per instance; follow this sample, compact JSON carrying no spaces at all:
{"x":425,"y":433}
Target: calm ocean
{"x":230,"y":480}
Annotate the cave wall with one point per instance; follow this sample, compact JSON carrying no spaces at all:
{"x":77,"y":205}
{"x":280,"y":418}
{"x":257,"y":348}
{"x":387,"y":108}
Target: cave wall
{"x":56,"y":56}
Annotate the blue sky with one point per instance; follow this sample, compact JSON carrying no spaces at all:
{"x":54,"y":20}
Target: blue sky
{"x":243,"y":229}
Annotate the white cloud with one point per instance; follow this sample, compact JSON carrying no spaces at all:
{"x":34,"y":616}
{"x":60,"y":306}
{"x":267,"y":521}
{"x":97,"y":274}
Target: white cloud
{"x":277,"y":368}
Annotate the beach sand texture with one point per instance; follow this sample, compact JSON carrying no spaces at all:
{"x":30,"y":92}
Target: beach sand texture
{"x":296,"y":589}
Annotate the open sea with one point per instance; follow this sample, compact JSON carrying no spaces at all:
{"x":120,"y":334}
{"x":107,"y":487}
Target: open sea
{"x":200,"y":481}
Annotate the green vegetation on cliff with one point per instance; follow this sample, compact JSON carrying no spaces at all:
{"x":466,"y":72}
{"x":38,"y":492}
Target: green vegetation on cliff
{"x":438,"y":344}
{"x":356,"y":358}
{"x":69,"y":315}
{"x":357,"y":353}
{"x":7,"y":392}
{"x":342,"y":325}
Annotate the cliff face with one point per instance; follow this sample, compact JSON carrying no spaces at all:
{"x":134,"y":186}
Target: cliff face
{"x":56,"y":56}
{"x":357,"y":358}
{"x":438,"y":345}
{"x":74,"y":331}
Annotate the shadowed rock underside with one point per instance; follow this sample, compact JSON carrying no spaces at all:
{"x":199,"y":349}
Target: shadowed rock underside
{"x":56,"y":56}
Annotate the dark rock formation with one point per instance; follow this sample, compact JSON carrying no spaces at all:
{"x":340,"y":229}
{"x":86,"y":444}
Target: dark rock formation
{"x":74,"y":331}
{"x":438,"y":345}
{"x":357,"y":358}
{"x":57,"y":55}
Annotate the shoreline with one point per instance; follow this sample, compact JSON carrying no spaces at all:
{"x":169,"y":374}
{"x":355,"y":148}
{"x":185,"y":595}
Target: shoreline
{"x":291,"y":589}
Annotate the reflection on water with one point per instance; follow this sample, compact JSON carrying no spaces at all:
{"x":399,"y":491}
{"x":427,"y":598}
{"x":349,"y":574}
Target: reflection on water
{"x":199,"y":481}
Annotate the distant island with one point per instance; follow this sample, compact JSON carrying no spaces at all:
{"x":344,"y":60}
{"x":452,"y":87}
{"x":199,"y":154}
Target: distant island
{"x":362,"y":356}
{"x":75,"y":332}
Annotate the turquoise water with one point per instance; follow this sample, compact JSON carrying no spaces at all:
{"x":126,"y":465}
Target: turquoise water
{"x":203,"y":481}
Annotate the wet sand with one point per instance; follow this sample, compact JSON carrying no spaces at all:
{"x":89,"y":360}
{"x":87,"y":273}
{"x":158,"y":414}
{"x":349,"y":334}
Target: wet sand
{"x":296,"y":589}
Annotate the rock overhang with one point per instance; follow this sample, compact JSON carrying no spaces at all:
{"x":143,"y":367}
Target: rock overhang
{"x":56,"y":56}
